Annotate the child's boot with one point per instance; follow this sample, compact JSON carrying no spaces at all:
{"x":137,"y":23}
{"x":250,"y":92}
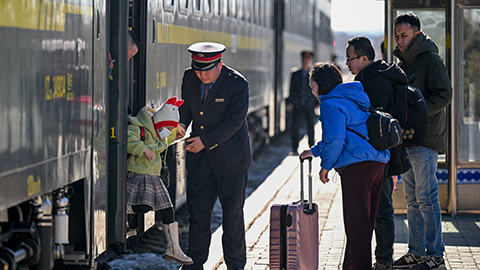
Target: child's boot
{"x":174,"y":252}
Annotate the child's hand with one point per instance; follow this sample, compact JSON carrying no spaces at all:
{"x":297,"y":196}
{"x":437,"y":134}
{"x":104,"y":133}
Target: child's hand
{"x":181,"y":129}
{"x":149,"y":154}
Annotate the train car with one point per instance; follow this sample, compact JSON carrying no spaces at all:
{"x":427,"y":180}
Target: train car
{"x":47,"y":104}
{"x":67,"y":89}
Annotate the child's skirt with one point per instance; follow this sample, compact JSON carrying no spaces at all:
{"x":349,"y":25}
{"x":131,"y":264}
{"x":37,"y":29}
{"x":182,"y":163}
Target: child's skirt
{"x":148,"y":190}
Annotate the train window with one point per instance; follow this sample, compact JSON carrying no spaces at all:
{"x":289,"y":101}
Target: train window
{"x":207,"y":6}
{"x":183,"y":6}
{"x":325,"y":30}
{"x":260,"y":12}
{"x":168,"y":5}
{"x":267,"y":14}
{"x":226,"y":7}
{"x":217,"y":7}
{"x":288,"y":17}
{"x":240,"y":9}
{"x":231,"y":8}
{"x":196,"y":5}
{"x":316,"y":21}
{"x":255,"y":12}
{"x":247,"y":6}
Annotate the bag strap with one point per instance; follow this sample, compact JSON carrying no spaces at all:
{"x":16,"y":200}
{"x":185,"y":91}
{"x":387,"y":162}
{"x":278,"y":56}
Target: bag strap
{"x":366,"y":109}
{"x":361,"y":136}
{"x":142,"y":134}
{"x":369,"y":109}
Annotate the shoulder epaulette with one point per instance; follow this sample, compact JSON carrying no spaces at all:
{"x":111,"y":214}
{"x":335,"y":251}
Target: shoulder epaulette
{"x":236,"y":76}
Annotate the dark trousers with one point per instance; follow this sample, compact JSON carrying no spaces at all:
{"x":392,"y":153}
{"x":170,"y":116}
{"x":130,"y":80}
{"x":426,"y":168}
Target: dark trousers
{"x":203,"y":189}
{"x":385,"y":224}
{"x":308,"y":114}
{"x":361,"y":187}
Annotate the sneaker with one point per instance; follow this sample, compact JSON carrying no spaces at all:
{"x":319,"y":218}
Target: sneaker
{"x":379,"y":266}
{"x":430,"y":262}
{"x":406,"y":261}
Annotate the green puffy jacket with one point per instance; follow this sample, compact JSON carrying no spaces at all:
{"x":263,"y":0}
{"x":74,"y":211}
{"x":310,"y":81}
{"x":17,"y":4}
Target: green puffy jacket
{"x":426,"y":71}
{"x":138,"y":162}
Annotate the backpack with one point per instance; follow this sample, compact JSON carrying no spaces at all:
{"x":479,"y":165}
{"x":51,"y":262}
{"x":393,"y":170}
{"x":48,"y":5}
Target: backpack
{"x":384,"y":131}
{"x":164,"y":172}
{"x":410,"y":109}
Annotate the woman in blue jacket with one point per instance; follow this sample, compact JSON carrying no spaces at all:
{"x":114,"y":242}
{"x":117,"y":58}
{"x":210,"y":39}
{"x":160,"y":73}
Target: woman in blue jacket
{"x":359,"y":165}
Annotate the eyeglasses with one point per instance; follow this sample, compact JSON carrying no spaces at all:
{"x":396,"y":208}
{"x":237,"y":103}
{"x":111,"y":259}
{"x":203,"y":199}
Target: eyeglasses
{"x":351,"y":59}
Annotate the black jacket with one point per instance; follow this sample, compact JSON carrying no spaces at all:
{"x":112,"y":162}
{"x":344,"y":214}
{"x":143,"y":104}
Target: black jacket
{"x":220,"y":121}
{"x":300,"y":92}
{"x":377,"y":79}
{"x":426,"y":71}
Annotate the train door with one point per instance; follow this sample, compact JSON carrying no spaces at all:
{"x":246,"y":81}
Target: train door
{"x":136,"y":94}
{"x":117,"y":122}
{"x":433,"y":18}
{"x":136,"y":65}
{"x":99,"y":174}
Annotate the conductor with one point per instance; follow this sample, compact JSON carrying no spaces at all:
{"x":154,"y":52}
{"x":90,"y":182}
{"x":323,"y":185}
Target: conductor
{"x":218,"y":152}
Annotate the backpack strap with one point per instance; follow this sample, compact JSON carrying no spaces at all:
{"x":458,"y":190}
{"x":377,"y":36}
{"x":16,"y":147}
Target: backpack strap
{"x":361,"y":136}
{"x":363,"y":108}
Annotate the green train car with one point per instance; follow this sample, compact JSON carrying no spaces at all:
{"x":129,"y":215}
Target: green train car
{"x":67,"y":89}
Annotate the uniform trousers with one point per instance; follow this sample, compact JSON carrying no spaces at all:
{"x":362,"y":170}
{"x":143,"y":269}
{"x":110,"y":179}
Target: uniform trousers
{"x":203,"y":189}
{"x":361,"y":187}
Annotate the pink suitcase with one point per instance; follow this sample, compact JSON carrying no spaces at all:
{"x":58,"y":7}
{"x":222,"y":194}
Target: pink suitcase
{"x":294,"y":232}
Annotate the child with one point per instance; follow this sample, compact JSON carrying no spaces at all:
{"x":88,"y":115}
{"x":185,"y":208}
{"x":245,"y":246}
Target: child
{"x":149,"y":134}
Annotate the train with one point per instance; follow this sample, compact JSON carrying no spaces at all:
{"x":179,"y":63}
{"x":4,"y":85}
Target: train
{"x":67,"y":89}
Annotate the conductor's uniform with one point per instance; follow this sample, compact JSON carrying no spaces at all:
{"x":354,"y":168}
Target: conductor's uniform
{"x":220,"y":169}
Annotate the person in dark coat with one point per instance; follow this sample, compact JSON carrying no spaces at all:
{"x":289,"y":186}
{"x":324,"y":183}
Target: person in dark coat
{"x":425,"y":70}
{"x":218,"y":152}
{"x":376,"y":78}
{"x":302,"y":102}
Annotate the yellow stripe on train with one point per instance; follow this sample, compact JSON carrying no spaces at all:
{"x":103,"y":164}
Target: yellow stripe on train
{"x":29,"y":14}
{"x":174,"y":34}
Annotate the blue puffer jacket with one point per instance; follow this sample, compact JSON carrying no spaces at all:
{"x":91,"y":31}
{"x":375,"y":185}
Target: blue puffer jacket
{"x":340,"y":147}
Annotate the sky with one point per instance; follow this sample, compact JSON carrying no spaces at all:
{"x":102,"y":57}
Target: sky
{"x":366,"y":16}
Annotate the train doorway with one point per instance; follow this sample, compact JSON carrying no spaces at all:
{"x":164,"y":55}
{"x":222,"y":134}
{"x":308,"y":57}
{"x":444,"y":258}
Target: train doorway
{"x":454,"y":26}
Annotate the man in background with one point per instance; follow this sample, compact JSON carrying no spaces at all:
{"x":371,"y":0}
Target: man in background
{"x":302,"y":102}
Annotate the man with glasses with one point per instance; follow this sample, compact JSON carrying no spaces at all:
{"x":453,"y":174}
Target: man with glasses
{"x":425,"y":69}
{"x":376,"y":78}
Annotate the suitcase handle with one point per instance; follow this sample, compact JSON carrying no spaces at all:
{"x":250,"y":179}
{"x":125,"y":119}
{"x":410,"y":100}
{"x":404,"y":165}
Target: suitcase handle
{"x":310,"y":208}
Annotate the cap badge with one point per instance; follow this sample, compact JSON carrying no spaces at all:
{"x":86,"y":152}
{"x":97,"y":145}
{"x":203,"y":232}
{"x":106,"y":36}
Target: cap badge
{"x":200,"y":55}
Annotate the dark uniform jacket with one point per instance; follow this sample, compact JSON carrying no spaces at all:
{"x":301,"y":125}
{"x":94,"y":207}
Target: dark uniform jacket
{"x":377,"y":79}
{"x":220,"y":121}
{"x":426,"y":71}
{"x":300,"y":92}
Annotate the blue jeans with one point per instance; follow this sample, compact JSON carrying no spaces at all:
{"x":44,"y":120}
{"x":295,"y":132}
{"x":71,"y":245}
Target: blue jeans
{"x":423,"y":208}
{"x":385,"y":224}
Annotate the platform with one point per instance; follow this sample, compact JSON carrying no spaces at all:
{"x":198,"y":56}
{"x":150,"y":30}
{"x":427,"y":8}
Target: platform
{"x":461,"y":233}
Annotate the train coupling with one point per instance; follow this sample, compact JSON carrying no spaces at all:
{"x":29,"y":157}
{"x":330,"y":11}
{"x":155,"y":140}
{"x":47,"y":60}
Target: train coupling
{"x":20,"y":245}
